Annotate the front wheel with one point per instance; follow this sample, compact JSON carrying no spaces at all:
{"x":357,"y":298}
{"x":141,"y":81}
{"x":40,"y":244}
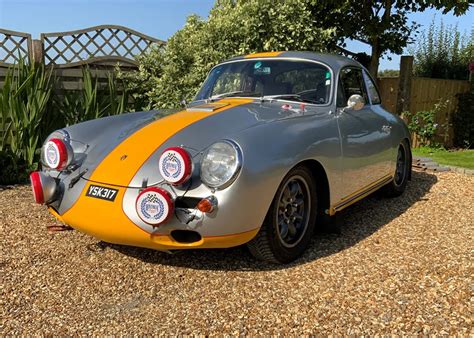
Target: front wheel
{"x":402,"y":172}
{"x":287,"y":229}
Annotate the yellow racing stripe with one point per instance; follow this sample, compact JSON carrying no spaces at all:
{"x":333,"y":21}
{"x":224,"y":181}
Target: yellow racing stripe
{"x":140,"y":146}
{"x":263,"y":55}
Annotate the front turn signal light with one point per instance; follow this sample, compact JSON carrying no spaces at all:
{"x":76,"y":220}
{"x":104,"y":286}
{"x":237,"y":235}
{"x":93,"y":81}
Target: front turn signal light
{"x":207,"y":205}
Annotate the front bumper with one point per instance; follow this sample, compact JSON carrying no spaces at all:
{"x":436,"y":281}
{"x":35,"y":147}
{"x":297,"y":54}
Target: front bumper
{"x":107,"y":221}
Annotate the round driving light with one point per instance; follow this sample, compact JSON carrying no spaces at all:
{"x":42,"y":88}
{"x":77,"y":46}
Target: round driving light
{"x":35,"y":180}
{"x":154,"y":206}
{"x":175,"y":165}
{"x":55,"y":154}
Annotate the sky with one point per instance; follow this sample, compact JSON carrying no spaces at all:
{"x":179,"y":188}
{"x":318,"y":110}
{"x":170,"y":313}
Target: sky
{"x":157,"y":18}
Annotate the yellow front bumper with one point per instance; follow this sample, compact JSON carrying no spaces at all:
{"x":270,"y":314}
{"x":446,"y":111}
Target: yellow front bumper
{"x":107,"y":221}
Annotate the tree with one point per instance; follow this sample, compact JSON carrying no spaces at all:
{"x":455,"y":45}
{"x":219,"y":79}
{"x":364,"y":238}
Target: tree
{"x":442,"y":52}
{"x":234,"y":27}
{"x":389,"y":73}
{"x":381,"y":24}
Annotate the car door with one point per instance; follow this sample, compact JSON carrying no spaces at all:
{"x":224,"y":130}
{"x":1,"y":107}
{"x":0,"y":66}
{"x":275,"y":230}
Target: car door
{"x":365,"y":135}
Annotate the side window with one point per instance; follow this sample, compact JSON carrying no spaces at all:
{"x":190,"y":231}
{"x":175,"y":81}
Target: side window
{"x":372,"y":89}
{"x":312,"y":83}
{"x":351,"y":82}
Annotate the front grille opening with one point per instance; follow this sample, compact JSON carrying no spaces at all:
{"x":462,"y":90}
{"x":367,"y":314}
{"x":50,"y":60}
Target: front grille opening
{"x":185,"y":236}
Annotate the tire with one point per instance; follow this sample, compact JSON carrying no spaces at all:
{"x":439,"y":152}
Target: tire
{"x":288,"y":226}
{"x":402,"y":172}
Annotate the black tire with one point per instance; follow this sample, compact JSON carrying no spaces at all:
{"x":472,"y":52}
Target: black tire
{"x":402,"y":172}
{"x":288,"y":226}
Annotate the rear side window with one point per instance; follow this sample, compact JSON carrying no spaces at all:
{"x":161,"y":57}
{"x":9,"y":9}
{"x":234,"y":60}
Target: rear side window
{"x":312,"y":82}
{"x":372,"y":89}
{"x":351,"y":83}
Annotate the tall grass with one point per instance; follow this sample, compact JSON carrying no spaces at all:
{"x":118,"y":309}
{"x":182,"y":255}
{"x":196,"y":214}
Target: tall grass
{"x":31,"y":108}
{"x":95,"y":100}
{"x":23,"y":103}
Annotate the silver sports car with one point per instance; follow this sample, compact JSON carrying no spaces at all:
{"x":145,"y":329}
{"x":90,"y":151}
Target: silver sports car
{"x":272,"y":144}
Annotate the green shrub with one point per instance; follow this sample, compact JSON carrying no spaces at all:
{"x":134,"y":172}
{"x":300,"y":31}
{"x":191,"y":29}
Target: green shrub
{"x":423,"y":124}
{"x":389,"y":73}
{"x":169,"y":74}
{"x":13,"y":170}
{"x":463,"y":121}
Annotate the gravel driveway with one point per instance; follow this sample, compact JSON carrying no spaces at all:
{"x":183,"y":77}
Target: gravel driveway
{"x":402,"y":265}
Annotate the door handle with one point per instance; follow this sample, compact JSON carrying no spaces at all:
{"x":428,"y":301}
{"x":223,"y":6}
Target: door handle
{"x":386,"y":129}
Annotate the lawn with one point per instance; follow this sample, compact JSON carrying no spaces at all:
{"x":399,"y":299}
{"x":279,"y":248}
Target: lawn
{"x":458,"y":158}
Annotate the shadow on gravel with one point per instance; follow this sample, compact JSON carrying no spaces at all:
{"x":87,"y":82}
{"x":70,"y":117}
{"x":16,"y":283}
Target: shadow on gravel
{"x":357,"y":223}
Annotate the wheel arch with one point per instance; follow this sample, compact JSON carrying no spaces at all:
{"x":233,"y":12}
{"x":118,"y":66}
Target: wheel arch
{"x":322,"y":183}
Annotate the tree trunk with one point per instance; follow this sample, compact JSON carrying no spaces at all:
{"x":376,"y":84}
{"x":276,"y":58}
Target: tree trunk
{"x":374,"y":59}
{"x":374,"y":41}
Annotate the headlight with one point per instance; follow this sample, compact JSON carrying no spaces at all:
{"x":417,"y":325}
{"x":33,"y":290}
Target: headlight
{"x":220,"y":164}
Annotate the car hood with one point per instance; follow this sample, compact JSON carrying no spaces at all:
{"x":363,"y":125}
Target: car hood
{"x":123,"y":150}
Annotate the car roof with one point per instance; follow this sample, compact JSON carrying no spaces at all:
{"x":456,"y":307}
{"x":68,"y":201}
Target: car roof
{"x":332,"y":60}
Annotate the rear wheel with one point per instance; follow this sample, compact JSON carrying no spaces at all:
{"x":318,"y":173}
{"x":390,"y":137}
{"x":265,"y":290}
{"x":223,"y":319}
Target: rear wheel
{"x":289,"y":224}
{"x":402,"y":172}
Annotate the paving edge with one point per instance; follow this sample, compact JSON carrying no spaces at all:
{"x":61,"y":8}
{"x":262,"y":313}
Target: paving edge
{"x":465,"y":171}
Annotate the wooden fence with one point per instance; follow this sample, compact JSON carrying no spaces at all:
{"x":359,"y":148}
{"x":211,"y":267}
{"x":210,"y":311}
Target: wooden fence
{"x":100,"y":44}
{"x":101,"y":48}
{"x":424,"y":94}
{"x":13,"y":46}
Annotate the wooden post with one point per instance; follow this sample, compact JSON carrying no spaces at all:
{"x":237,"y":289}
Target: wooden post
{"x":404,"y":86}
{"x":37,"y":55}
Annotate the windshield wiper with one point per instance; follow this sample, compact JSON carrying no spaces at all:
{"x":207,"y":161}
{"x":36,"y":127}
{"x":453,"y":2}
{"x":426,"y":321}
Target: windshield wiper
{"x":290,"y":97}
{"x":231,"y":94}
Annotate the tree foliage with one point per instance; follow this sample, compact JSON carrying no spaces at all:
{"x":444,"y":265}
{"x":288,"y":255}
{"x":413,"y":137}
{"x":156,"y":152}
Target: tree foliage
{"x":234,"y":27}
{"x":389,"y":73}
{"x":381,"y":24}
{"x":170,"y":74}
{"x":442,"y":52}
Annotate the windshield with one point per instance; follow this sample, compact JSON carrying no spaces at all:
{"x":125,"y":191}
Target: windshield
{"x":296,"y":80}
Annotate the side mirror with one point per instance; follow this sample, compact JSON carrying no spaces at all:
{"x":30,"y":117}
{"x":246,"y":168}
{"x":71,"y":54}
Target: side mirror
{"x":184,"y":103}
{"x":355,"y":102}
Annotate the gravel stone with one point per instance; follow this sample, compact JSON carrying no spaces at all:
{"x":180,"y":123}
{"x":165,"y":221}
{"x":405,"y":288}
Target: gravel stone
{"x":400,"y":266}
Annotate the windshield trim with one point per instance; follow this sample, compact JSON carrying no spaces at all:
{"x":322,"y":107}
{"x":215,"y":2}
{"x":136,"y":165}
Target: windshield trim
{"x":331,"y":95}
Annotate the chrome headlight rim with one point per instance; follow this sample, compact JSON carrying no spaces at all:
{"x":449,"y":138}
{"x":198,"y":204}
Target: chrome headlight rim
{"x":238,"y":167}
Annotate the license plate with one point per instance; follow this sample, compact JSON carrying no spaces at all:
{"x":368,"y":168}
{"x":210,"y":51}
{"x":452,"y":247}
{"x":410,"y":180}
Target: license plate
{"x":103,"y":193}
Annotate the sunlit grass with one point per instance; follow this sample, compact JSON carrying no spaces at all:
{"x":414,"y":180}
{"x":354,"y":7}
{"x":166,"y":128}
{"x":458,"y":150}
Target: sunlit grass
{"x":458,"y":158}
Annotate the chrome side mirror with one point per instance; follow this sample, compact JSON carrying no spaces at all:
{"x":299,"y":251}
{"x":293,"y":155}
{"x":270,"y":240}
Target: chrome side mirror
{"x":355,"y":102}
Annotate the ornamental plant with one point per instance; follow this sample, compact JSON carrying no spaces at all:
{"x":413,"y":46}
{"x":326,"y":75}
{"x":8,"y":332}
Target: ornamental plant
{"x":30,"y":110}
{"x":423,"y":124}
{"x":23,"y":105}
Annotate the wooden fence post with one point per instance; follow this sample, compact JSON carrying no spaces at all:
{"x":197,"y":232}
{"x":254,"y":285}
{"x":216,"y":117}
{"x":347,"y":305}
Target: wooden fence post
{"x":37,"y":52}
{"x":404,"y":86}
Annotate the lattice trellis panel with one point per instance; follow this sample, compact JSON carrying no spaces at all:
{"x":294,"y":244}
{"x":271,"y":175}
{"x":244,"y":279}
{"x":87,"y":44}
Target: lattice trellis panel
{"x":100,"y":43}
{"x":13,"y":46}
